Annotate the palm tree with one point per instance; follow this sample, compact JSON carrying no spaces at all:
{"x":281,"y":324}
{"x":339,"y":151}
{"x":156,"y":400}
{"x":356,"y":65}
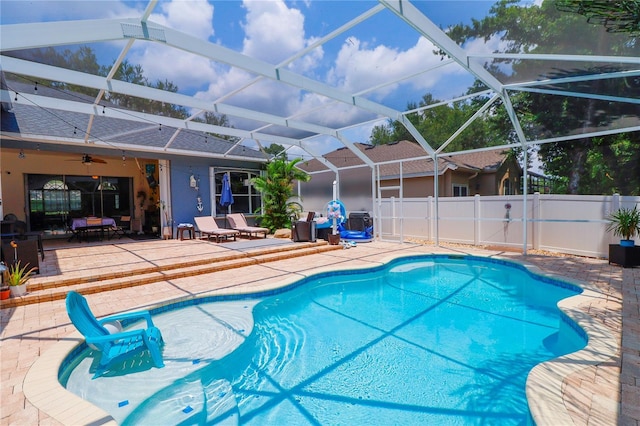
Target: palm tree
{"x":276,"y":188}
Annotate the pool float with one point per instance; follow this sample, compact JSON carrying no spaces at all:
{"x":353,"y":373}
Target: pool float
{"x":365,"y":236}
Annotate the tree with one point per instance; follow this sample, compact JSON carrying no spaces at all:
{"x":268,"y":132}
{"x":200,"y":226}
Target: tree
{"x":218,"y":120}
{"x":276,"y":150}
{"x":586,"y":165}
{"x":276,"y":188}
{"x":135,"y":74}
{"x":83,"y":59}
{"x":438,"y":124}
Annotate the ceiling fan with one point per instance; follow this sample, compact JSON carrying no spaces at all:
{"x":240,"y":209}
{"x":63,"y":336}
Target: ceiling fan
{"x":88,"y":160}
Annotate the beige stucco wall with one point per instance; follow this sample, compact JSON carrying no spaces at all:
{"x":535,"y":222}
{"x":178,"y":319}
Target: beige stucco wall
{"x":423,"y":186}
{"x":14,"y":169}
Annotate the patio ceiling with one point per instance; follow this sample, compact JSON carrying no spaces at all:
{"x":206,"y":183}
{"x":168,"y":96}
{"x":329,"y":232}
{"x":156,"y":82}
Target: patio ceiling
{"x":332,"y":109}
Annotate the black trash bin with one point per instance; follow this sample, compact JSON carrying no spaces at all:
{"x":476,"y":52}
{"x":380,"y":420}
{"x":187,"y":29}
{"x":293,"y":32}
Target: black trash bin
{"x":359,"y":221}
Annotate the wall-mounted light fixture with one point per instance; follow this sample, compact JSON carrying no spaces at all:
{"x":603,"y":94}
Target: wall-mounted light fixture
{"x":193,"y":182}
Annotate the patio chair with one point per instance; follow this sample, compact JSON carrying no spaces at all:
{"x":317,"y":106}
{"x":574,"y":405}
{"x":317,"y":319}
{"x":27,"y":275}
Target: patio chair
{"x":119,"y":345}
{"x":238,"y":222}
{"x":123,"y":226}
{"x":208,"y":226}
{"x":304,"y":229}
{"x":93,"y":226}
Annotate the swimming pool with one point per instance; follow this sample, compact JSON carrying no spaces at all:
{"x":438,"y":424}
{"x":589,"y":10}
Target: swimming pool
{"x":425,"y":339}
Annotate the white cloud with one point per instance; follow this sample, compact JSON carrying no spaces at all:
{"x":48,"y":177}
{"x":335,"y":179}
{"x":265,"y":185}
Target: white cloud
{"x":273,"y":32}
{"x":359,"y":67}
{"x":193,"y":17}
{"x":186,"y":70}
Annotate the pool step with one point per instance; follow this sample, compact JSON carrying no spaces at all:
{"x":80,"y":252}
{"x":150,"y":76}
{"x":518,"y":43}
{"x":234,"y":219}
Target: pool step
{"x":50,"y":288}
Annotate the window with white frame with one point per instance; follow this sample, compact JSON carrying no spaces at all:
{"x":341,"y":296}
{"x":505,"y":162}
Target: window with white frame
{"x":246,"y":199}
{"x":460,"y":190}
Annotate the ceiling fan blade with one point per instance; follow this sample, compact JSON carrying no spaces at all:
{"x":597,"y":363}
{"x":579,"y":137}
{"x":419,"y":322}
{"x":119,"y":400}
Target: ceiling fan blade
{"x":87,"y":159}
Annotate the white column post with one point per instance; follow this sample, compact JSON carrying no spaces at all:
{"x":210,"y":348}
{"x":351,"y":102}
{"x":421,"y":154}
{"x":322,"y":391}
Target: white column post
{"x":535,"y":224}
{"x":476,"y":219}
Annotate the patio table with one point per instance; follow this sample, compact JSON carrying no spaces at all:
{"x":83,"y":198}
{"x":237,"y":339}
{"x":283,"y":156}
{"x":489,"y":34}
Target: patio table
{"x":83,"y":225}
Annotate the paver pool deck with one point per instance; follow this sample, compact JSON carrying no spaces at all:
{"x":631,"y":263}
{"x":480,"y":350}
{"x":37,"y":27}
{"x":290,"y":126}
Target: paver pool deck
{"x":600,"y":388}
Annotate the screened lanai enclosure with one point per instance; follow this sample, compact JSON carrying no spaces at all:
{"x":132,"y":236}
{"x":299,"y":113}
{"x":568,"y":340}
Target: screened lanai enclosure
{"x":549,"y":82}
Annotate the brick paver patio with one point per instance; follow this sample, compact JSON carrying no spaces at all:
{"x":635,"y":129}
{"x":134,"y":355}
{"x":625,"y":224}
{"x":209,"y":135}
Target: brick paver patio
{"x":603,"y":394}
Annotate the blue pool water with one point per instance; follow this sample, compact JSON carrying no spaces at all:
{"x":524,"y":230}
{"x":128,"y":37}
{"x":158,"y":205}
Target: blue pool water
{"x":422,"y":340}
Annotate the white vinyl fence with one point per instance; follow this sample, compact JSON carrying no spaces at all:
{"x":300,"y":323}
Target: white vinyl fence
{"x":572,"y":224}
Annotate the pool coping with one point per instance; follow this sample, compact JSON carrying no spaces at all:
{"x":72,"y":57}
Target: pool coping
{"x":543,"y":387}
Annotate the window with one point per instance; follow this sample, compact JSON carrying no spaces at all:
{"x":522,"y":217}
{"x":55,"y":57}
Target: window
{"x":506,"y":187}
{"x":54,"y":199}
{"x":460,"y":190}
{"x":246,"y":199}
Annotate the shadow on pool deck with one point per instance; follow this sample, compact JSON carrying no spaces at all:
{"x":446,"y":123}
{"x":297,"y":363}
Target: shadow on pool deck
{"x":28,"y":332}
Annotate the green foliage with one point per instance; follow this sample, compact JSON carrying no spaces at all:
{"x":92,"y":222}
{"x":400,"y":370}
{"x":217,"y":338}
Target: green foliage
{"x":276,"y":150}
{"x":276,"y":188}
{"x":625,"y":223}
{"x":590,"y":165}
{"x":217,"y":120}
{"x":438,"y":124}
{"x":135,"y":74}
{"x":16,"y":275}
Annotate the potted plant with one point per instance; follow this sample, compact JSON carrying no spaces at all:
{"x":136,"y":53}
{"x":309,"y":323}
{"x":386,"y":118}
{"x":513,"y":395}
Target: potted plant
{"x":625,"y":223}
{"x":276,"y":188}
{"x":5,"y":291}
{"x":16,"y":277}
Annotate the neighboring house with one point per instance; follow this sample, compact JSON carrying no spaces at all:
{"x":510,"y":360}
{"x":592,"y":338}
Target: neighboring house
{"x":492,"y":172}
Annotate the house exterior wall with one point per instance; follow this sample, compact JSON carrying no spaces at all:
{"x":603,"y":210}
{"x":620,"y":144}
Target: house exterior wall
{"x":182,"y":202}
{"x":13,"y":171}
{"x":509,"y":170}
{"x":355,"y":186}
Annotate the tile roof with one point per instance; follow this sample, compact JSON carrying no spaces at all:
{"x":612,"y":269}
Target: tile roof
{"x":475,"y":161}
{"x":36,"y":122}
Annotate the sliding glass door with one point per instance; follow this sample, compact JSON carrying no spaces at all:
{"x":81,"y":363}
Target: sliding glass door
{"x":54,"y":199}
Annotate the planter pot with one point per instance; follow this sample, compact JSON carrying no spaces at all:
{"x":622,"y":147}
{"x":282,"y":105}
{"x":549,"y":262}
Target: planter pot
{"x":627,"y":243}
{"x":334,"y":239}
{"x":18,"y":290}
{"x":167,"y":232}
{"x":626,"y":257}
{"x":5,"y":293}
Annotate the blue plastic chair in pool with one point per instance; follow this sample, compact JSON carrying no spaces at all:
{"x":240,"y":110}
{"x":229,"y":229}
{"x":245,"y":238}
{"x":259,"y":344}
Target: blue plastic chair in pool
{"x":114,"y":346}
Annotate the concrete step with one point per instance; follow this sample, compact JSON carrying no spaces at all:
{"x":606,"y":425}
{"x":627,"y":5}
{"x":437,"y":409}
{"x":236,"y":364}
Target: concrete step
{"x":44,"y":289}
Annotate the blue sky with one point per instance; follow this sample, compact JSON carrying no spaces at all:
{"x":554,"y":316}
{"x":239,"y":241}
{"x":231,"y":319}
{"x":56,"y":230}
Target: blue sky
{"x":379,"y":50}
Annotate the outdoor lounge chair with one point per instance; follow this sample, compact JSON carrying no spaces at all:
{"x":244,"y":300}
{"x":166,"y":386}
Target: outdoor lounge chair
{"x":208,"y":226}
{"x":119,"y":345}
{"x":238,"y":222}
